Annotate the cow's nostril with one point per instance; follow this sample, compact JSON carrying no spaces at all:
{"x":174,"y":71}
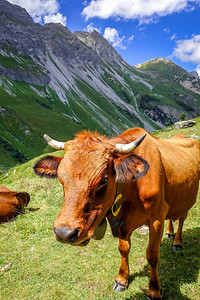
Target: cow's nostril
{"x":73,"y":235}
{"x":65,"y":234}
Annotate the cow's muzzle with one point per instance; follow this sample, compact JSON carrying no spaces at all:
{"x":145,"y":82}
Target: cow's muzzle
{"x":65,"y":234}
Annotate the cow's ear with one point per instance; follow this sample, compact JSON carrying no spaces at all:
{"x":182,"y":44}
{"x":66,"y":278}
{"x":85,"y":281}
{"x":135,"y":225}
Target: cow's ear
{"x":23,"y":198}
{"x":130,"y":167}
{"x":47,"y":166}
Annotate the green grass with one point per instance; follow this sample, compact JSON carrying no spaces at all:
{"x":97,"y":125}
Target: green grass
{"x":165,"y":79}
{"x":25,"y":118}
{"x":43,"y":268}
{"x":17,"y":62}
{"x":170,"y":131}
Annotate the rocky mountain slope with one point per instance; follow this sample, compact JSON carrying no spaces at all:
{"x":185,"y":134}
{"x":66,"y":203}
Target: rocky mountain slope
{"x":171,"y":83}
{"x":57,"y":82}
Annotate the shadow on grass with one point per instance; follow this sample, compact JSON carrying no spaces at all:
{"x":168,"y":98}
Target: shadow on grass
{"x":175,"y":268}
{"x":32,"y":208}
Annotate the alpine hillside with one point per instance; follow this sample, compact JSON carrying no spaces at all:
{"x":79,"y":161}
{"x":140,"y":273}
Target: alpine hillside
{"x":57,"y":82}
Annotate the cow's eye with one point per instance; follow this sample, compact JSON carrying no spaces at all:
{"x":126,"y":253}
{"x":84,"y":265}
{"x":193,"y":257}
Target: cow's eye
{"x":102,"y":184}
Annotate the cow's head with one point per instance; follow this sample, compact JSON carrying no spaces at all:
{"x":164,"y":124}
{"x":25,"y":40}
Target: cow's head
{"x":89,"y":172}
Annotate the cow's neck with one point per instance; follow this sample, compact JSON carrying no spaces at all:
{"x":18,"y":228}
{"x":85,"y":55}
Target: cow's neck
{"x":116,"y":222}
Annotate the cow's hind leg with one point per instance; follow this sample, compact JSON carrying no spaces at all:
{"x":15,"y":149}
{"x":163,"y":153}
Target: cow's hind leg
{"x":170,"y":230}
{"x":121,"y":282}
{"x":153,"y":249}
{"x":177,"y":244}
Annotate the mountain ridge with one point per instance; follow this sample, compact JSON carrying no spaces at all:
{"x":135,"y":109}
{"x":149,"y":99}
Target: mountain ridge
{"x":191,"y":79}
{"x":98,"y":43}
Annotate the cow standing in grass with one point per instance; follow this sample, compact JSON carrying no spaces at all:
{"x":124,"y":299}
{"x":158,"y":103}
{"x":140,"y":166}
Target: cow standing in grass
{"x":132,"y":179}
{"x":11,"y":203}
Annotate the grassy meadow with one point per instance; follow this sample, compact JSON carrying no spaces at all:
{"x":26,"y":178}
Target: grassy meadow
{"x":42,"y":268}
{"x":170,"y":131}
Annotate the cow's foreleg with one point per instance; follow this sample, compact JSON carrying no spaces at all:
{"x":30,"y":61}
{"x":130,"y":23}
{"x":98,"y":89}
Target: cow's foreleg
{"x":121,"y":282}
{"x":155,"y":236}
{"x":177,"y":244}
{"x":170,"y":230}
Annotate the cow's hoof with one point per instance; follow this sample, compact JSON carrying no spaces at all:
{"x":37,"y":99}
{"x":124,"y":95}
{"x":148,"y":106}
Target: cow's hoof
{"x":118,"y":287}
{"x":177,"y":248}
{"x":152,"y":298}
{"x":170,"y":236}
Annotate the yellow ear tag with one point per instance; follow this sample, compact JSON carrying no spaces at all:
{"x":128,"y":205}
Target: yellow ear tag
{"x":116,"y":205}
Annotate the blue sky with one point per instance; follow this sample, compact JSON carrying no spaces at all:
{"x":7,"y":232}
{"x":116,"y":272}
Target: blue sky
{"x":139,"y":30}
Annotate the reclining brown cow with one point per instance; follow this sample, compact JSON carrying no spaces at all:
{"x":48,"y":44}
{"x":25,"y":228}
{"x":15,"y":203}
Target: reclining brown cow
{"x":11,"y":203}
{"x":130,"y":184}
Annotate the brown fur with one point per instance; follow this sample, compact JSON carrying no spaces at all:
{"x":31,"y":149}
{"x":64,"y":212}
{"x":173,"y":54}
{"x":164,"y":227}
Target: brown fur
{"x":11,"y":203}
{"x":159,"y":181}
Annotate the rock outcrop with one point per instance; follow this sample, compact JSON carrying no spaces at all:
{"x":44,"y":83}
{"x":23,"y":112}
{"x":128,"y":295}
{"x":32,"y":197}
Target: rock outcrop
{"x":184,"y":124}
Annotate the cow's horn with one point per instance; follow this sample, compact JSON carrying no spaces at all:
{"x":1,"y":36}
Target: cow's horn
{"x":127,"y":148}
{"x":54,"y":144}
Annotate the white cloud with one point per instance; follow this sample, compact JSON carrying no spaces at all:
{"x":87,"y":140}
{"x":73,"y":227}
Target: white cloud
{"x":55,"y":18}
{"x":145,"y":11}
{"x":173,"y":37}
{"x":38,"y":19}
{"x":188,"y":50}
{"x":198,"y":69}
{"x":112,"y":35}
{"x":90,"y":27}
{"x":42,"y":9}
{"x":166,"y":30}
{"x":131,"y":37}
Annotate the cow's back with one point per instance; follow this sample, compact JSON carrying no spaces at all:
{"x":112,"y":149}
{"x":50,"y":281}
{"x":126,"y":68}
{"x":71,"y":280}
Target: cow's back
{"x":4,"y":189}
{"x":174,"y":170}
{"x":181,"y":162}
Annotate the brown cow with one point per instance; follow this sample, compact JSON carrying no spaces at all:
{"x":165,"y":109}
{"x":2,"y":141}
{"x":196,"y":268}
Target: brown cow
{"x":111,"y":178}
{"x":11,"y":203}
